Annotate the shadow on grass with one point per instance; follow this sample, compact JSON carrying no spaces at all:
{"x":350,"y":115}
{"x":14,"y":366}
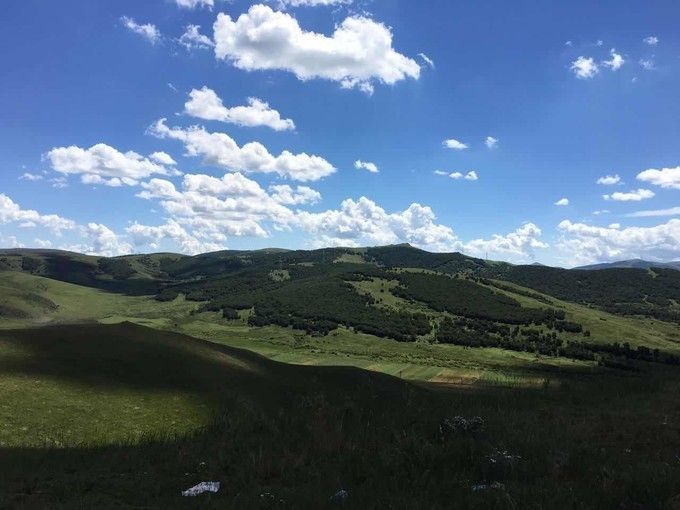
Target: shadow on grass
{"x":291,"y":436}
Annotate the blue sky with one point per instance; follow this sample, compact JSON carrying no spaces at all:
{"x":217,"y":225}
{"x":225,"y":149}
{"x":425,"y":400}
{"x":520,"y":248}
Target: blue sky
{"x":568,"y":93}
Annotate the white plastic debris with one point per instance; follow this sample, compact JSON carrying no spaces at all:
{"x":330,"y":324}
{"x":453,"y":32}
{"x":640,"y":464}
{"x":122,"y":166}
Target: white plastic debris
{"x":201,"y":488}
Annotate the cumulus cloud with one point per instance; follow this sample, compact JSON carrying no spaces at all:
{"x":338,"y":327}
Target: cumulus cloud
{"x":359,"y":53}
{"x":220,"y":149}
{"x":586,"y":243}
{"x":491,"y":142}
{"x":651,"y":40}
{"x":517,"y":245}
{"x":284,"y":194}
{"x":366,"y":165}
{"x":362,"y":221}
{"x":672,"y":211}
{"x":193,"y":39}
{"x":162,"y":158}
{"x":584,"y":68}
{"x":665,"y":177}
{"x":103,"y":241}
{"x":151,"y":236}
{"x":206,"y":104}
{"x":193,"y":4}
{"x":148,"y":31}
{"x":232,"y":205}
{"x":11,"y":212}
{"x":616,"y":61}
{"x":312,"y":3}
{"x":454,"y":144}
{"x":102,"y":164}
{"x":562,"y":202}
{"x":631,"y":196}
{"x":609,"y":180}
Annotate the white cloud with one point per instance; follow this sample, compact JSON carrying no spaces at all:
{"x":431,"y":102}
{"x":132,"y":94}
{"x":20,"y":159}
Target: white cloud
{"x":10,"y":242}
{"x":162,"y":158}
{"x":491,"y":142}
{"x":454,"y":144}
{"x":470,"y":176}
{"x":11,"y":212}
{"x":363,"y":222}
{"x":284,"y":194}
{"x":601,"y":211}
{"x":193,"y":4}
{"x":232,"y":205}
{"x":631,"y":196}
{"x":427,"y":60}
{"x":147,"y":31}
{"x":673,"y":211}
{"x":59,"y":182}
{"x":28,"y":176}
{"x":666,"y":177}
{"x":647,"y":64}
{"x":562,"y":202}
{"x":518,"y":245}
{"x":42,"y":243}
{"x":104,"y":241}
{"x":366,"y":165}
{"x":144,"y":235}
{"x":440,"y":172}
{"x":102,"y":163}
{"x":616,"y":61}
{"x":609,"y":180}
{"x":587,"y":243}
{"x":193,"y":39}
{"x":206,"y":104}
{"x":221,"y":150}
{"x":313,"y":3}
{"x":584,"y":68}
{"x":358,"y":54}
{"x":651,"y":40}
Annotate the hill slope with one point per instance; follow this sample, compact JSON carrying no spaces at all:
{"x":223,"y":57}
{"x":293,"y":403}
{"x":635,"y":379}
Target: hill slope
{"x":634,"y":263}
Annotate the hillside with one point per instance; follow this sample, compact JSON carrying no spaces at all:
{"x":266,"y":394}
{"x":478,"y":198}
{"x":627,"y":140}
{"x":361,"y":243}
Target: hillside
{"x":288,"y":375}
{"x":634,"y":263}
{"x":138,"y":415}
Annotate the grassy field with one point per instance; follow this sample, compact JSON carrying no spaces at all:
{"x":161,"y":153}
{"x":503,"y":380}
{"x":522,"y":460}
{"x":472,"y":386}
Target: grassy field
{"x":115,"y":401}
{"x":289,"y":436}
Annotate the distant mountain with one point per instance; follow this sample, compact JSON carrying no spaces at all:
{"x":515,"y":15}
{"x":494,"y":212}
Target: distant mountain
{"x":633,"y":263}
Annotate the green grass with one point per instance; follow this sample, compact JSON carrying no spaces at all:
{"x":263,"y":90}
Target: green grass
{"x":606,"y":327}
{"x":300,"y":433}
{"x":76,"y":303}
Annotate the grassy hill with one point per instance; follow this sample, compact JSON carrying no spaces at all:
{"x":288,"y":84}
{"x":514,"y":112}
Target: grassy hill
{"x":288,"y":375}
{"x":291,"y":436}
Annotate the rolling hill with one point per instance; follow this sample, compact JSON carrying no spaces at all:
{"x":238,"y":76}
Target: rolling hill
{"x":633,"y":263}
{"x":289,"y":375}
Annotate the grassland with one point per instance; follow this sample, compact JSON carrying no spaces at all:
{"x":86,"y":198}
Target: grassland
{"x":112,"y":400}
{"x":290,"y":436}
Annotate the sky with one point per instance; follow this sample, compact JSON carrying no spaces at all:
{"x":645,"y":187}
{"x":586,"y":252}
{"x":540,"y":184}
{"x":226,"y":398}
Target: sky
{"x":521,"y":131}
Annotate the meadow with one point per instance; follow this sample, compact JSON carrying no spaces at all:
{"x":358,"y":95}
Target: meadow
{"x":114,"y":399}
